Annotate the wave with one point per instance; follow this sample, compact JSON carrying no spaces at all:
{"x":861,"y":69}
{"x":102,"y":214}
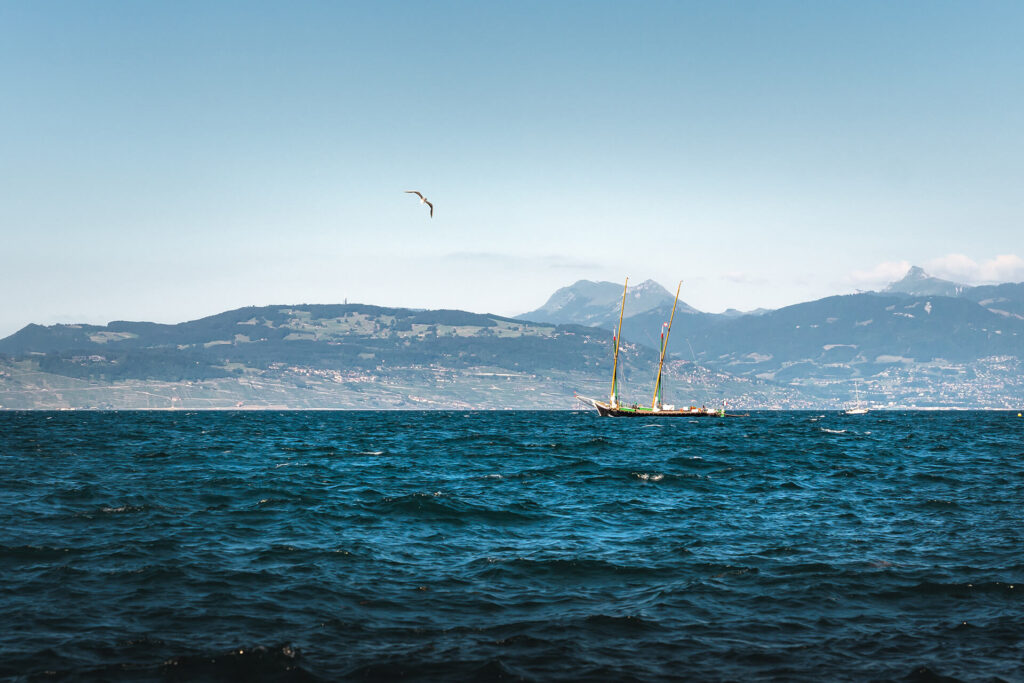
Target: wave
{"x":431,"y":666}
{"x":961,"y":589}
{"x":441,"y":506}
{"x":276,"y":662}
{"x":536,"y":547}
{"x":575,"y":467}
{"x":123,"y":508}
{"x":533,"y":569}
{"x":34,"y":552}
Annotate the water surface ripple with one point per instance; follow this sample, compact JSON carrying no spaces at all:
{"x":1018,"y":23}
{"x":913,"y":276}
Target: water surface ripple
{"x":446,"y":545}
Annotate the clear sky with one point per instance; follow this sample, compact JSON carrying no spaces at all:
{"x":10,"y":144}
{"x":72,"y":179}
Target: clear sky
{"x":166,"y":161}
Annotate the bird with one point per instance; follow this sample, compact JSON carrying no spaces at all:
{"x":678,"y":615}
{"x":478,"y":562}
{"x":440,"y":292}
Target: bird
{"x":423,"y":200}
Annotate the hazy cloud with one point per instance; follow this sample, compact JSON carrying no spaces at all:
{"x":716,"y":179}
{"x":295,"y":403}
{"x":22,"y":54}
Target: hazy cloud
{"x":744,"y":278}
{"x":960,"y":268}
{"x":550,"y":261}
{"x":955,"y":267}
{"x":880,"y":275}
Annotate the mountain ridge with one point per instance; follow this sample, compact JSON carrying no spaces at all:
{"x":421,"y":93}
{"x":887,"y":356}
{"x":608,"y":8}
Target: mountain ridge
{"x":918,"y":283}
{"x":587,"y":302}
{"x":904,"y":348}
{"x":573,"y":303}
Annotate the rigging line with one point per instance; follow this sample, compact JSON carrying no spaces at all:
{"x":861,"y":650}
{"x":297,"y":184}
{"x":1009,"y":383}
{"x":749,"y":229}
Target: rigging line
{"x":625,"y":376}
{"x":704,"y":383}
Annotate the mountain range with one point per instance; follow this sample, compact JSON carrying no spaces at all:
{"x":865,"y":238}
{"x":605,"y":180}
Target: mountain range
{"x":919,"y":342}
{"x":597,"y":303}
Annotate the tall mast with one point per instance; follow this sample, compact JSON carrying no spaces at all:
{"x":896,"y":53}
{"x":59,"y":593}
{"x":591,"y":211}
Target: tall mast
{"x":614,"y":398}
{"x":655,"y":403}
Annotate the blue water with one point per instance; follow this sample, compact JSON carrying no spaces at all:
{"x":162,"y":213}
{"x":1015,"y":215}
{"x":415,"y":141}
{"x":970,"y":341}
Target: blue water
{"x":431,"y":545}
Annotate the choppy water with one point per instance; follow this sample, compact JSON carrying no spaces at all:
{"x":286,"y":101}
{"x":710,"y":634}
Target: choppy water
{"x":789,"y":546}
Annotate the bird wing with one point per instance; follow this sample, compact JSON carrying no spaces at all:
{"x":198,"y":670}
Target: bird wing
{"x":415,"y":193}
{"x":431,"y":207}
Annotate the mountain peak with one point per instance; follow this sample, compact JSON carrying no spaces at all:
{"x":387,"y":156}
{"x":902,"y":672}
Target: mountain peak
{"x":597,"y":303}
{"x":919,"y":283}
{"x":649,"y":286}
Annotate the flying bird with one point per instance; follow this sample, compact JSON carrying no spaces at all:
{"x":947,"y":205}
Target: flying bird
{"x":423,"y":200}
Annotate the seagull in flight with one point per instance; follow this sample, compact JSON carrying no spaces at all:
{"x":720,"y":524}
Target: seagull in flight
{"x":423,"y":200}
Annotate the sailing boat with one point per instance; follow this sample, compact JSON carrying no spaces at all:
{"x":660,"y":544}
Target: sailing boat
{"x":858,"y":408}
{"x":614,"y":408}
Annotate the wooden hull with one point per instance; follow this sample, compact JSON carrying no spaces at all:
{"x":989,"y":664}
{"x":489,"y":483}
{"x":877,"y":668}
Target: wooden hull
{"x":606,"y":410}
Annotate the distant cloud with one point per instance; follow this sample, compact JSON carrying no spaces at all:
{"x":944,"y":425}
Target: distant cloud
{"x":960,"y":268}
{"x":955,"y":267}
{"x":548,"y":261}
{"x":743,"y":278}
{"x":880,"y":275}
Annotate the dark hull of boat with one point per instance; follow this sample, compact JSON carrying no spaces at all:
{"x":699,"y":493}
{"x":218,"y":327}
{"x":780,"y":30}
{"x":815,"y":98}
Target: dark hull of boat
{"x":605,"y":411}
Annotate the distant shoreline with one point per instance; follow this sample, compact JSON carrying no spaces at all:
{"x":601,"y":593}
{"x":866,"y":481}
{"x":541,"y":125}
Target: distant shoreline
{"x":262,"y":409}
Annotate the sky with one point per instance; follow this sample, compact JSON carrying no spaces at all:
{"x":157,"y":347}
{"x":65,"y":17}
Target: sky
{"x":166,"y":161}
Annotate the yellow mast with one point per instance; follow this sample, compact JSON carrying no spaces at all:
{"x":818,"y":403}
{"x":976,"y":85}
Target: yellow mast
{"x":664,"y":347}
{"x":613,"y":399}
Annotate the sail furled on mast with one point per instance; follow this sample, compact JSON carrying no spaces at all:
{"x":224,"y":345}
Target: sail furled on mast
{"x":656,"y":399}
{"x":614,"y":397}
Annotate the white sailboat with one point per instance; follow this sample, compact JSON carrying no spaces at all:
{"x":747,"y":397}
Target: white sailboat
{"x":858,"y":408}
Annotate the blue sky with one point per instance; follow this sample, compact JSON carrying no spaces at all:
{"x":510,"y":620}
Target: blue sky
{"x":166,"y":161}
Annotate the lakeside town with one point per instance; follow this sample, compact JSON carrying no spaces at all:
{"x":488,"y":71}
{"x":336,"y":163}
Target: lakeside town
{"x":992,"y":383}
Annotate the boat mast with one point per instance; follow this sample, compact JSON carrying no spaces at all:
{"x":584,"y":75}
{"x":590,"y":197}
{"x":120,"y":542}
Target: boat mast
{"x":655,"y":403}
{"x":614,"y":398}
